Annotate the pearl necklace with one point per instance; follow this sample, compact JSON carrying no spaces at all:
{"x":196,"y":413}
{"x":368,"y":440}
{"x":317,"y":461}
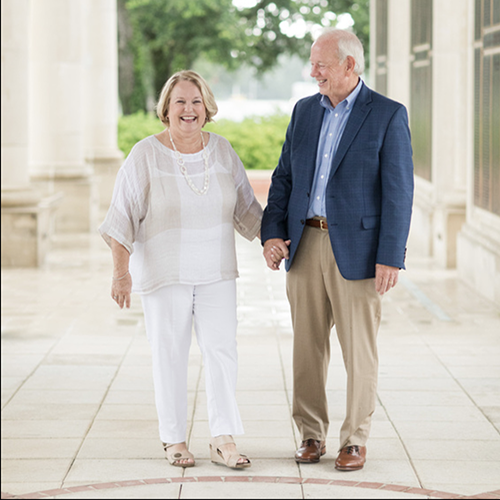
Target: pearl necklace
{"x":183,"y":168}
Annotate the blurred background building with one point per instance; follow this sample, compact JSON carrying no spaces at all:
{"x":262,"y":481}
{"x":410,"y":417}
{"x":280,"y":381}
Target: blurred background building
{"x":59,"y":121}
{"x":441,"y":59}
{"x":60,"y":108}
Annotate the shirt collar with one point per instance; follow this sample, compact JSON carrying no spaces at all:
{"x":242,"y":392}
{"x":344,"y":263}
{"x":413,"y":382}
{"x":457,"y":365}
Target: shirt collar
{"x":348,"y":102}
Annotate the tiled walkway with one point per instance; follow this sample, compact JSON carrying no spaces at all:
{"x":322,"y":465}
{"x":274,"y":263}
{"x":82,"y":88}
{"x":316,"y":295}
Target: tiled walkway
{"x":78,"y":416}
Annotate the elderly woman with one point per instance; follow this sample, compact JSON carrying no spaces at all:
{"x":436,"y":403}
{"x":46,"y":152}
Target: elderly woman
{"x":177,"y":199}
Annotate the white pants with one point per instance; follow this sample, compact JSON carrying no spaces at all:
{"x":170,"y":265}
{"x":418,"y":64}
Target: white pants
{"x":169,"y":313}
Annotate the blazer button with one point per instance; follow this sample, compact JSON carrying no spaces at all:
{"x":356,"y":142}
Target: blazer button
{"x":302,"y":221}
{"x":308,"y":194}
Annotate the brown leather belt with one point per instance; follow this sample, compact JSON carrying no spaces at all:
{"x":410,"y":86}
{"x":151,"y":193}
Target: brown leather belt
{"x":317,"y":223}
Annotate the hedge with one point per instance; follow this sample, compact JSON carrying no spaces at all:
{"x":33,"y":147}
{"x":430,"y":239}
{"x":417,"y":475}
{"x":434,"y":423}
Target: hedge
{"x":257,"y":140}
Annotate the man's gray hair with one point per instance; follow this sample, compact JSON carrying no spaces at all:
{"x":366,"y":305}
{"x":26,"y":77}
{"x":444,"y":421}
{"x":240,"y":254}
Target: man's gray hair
{"x":348,"y":45}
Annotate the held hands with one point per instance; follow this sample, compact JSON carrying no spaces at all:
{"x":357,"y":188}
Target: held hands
{"x":121,"y":290}
{"x":386,"y":278}
{"x":275,"y":250}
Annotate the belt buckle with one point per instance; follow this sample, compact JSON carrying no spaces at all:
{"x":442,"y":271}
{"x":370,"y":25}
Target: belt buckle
{"x":323,"y":225}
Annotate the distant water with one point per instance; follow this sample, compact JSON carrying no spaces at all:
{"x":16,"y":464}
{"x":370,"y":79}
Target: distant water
{"x":239,"y":109}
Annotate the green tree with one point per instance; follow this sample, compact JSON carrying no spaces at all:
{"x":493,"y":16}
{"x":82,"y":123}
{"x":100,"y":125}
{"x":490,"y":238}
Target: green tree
{"x":287,"y":26}
{"x":167,"y":36}
{"x":164,"y":36}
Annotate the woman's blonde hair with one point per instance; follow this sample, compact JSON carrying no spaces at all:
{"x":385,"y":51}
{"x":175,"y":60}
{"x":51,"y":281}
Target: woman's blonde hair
{"x":188,"y":76}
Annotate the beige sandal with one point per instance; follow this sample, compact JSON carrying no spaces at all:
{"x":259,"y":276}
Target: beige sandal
{"x":217,"y":456}
{"x":175,"y":458}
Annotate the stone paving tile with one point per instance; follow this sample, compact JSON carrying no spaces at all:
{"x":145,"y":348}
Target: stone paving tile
{"x":44,"y":428}
{"x":27,"y":486}
{"x":88,"y":471}
{"x":124,"y":428}
{"x":486,"y":398}
{"x":49,"y":411}
{"x":484,"y":385}
{"x":127,"y":412}
{"x":451,"y":471}
{"x":432,"y":375}
{"x":260,"y":398}
{"x":20,"y":365}
{"x":250,"y":412}
{"x":414,"y":371}
{"x":272,"y":429}
{"x":35,"y":470}
{"x":468,"y":371}
{"x":48,"y":396}
{"x":386,"y":448}
{"x":126,"y":448}
{"x":235,"y":490}
{"x":470,"y":359}
{"x":424,"y":398}
{"x":70,"y":378}
{"x":492,"y":413}
{"x":378,"y":470}
{"x":251,"y":485}
{"x":416,"y":413}
{"x":11,"y":387}
{"x":382,"y":429}
{"x":165,"y":490}
{"x":334,"y":491}
{"x":463,"y":450}
{"x":143,"y":397}
{"x":79,"y":358}
{"x":430,"y":431}
{"x":31,"y":448}
{"x":466,"y":489}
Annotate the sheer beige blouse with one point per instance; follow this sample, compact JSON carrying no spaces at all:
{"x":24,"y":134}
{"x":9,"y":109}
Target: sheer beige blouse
{"x":174,"y":235}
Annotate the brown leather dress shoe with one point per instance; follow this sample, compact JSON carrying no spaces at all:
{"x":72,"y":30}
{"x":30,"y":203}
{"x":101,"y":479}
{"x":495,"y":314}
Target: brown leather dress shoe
{"x":310,"y":451}
{"x":351,"y":458}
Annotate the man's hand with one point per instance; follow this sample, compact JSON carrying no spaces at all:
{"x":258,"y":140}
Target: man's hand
{"x":275,"y":250}
{"x":386,"y":278}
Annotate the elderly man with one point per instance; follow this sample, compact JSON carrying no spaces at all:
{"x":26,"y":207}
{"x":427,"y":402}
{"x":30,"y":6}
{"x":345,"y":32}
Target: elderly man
{"x":339,"y":212}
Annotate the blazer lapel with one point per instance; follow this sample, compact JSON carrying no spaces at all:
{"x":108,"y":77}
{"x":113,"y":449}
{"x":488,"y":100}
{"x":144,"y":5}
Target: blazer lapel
{"x":359,"y":112}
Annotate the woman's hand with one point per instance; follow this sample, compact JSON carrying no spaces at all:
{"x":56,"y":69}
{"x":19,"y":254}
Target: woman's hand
{"x":121,"y":289}
{"x":122,"y":281}
{"x":275,"y":250}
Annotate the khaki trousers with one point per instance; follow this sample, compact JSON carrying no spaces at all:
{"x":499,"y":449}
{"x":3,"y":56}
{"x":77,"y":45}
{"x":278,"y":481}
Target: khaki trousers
{"x":321,"y":298}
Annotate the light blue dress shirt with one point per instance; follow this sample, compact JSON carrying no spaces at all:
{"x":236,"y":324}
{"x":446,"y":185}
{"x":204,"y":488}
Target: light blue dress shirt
{"x":334,"y":122}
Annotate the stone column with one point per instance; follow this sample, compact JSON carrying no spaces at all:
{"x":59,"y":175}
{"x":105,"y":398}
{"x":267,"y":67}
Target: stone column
{"x":449,"y":126}
{"x":373,"y":45}
{"x":57,"y":162}
{"x":398,"y":87}
{"x":100,"y":94}
{"x":398,"y":57}
{"x":478,"y":242}
{"x":24,"y":218}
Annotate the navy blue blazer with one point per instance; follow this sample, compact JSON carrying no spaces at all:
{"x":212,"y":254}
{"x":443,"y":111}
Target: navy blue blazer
{"x":369,"y":194}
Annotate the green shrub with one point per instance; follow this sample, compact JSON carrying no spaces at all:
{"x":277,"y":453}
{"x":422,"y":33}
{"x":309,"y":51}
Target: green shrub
{"x":257,"y":140}
{"x":135,"y":127}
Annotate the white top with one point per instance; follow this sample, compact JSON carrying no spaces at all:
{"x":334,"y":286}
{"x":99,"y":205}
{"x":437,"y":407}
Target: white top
{"x":174,"y":235}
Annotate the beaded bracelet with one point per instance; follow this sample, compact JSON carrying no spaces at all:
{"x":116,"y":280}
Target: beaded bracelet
{"x":119,"y":279}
